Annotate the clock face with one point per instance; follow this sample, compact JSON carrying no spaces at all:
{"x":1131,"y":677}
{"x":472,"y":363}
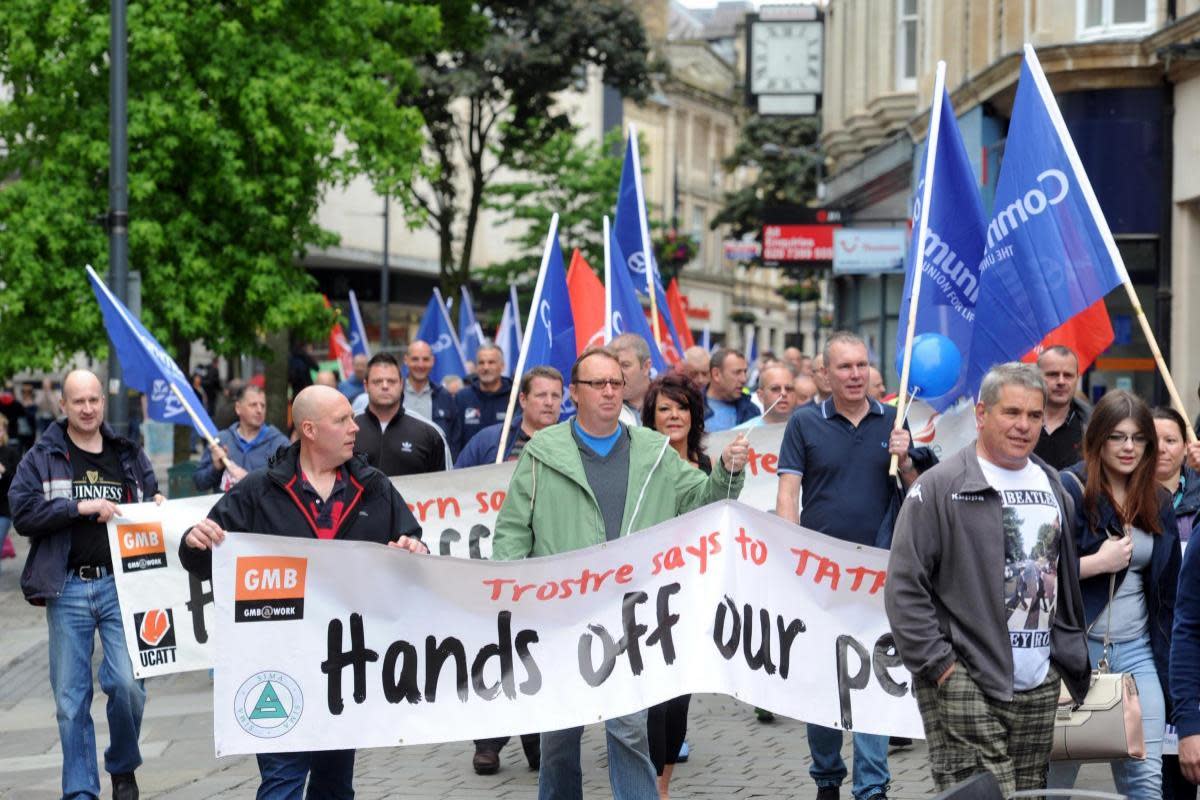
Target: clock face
{"x":785,"y":58}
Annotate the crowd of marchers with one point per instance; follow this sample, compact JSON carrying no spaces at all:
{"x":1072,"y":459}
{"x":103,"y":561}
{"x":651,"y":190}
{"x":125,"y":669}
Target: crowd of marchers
{"x":1054,"y":543}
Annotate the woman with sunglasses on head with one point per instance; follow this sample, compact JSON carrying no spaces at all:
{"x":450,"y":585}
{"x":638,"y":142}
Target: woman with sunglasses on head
{"x":675,"y":408}
{"x":1128,"y":549}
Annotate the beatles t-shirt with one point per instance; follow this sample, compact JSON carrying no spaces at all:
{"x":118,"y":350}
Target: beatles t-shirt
{"x":95,"y":476}
{"x":1032,"y":524}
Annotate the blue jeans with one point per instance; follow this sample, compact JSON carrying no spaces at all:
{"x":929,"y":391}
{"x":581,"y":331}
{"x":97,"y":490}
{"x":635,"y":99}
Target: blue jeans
{"x":5,"y":525}
{"x":330,"y":775}
{"x":1135,"y":779}
{"x":73,"y":618}
{"x":630,"y":771}
{"x":871,"y":774}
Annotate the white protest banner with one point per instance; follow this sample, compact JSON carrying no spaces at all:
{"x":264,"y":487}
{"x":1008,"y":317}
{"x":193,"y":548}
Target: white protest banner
{"x":458,"y":511}
{"x":945,"y":432}
{"x":167,"y":612}
{"x":324,"y":645}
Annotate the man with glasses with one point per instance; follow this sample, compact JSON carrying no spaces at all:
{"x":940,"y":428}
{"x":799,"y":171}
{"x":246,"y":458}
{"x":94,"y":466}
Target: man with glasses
{"x":597,"y":480}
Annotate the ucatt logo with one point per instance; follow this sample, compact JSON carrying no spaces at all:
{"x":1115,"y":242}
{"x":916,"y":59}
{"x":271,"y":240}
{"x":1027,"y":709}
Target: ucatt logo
{"x":269,"y":588}
{"x":155,"y":636}
{"x":143,"y":546}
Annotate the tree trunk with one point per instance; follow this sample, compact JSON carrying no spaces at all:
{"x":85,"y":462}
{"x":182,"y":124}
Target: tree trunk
{"x":182,"y":433}
{"x":275,"y":368}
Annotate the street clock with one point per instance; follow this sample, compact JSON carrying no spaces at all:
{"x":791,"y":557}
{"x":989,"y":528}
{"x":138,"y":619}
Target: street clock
{"x":787,"y":58}
{"x":784,"y":60}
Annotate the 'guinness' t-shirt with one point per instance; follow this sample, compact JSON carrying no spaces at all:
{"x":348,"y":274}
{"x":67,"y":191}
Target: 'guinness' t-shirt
{"x":95,"y":476}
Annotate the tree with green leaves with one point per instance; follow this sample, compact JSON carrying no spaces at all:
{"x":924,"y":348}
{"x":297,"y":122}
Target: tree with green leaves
{"x":492,"y":104}
{"x":241,"y":114}
{"x":578,"y":180}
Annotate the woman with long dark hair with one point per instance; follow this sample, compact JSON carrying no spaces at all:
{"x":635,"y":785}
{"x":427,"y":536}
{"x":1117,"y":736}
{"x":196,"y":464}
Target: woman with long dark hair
{"x":1129,"y":548}
{"x":674,"y":407}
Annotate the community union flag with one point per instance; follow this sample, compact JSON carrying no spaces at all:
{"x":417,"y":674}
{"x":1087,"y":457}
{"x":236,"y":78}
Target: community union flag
{"x":146,"y":366}
{"x":439,"y":333}
{"x":358,"y":331}
{"x":508,"y":333}
{"x":470,"y":335}
{"x":623,"y":306}
{"x":632,"y":232}
{"x":550,"y":329}
{"x":954,"y":237}
{"x":1049,"y":252}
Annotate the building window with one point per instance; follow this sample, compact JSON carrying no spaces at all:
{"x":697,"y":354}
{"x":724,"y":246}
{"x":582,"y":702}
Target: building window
{"x":1102,"y":19}
{"x":906,"y":45}
{"x":699,"y":229}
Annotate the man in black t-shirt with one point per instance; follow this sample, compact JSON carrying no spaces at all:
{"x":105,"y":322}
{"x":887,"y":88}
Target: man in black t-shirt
{"x":65,"y":491}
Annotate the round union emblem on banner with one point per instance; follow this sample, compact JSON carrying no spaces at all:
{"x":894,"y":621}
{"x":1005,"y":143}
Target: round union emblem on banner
{"x":268,"y":704}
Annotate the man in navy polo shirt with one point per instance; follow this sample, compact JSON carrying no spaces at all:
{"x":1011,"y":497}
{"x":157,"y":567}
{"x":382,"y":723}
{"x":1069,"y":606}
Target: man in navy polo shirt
{"x":839,"y":451}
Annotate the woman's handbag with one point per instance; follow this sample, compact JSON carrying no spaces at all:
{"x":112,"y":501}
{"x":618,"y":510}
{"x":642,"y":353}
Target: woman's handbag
{"x":1108,"y":723}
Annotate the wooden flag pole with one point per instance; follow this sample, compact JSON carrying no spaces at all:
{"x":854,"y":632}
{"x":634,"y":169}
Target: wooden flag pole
{"x":1085,"y":185}
{"x":608,"y":332}
{"x":935,"y":124}
{"x":533,"y":313}
{"x":196,"y":423}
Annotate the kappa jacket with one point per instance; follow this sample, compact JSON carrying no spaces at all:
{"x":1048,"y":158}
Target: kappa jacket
{"x":268,"y":501}
{"x":43,"y":507}
{"x":945,"y":585}
{"x":550,"y":508}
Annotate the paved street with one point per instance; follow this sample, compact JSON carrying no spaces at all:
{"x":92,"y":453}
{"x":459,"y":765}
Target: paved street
{"x":732,"y":754}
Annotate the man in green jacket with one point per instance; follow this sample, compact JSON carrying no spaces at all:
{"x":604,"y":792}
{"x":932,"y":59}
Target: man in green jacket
{"x":584,"y":482}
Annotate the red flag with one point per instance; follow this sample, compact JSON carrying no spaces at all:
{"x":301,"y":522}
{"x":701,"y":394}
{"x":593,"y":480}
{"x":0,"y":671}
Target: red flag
{"x":1088,"y":334}
{"x":679,"y":314}
{"x":339,"y":347}
{"x":587,"y":302}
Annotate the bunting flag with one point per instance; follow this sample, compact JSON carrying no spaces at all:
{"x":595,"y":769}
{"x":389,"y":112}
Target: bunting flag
{"x":358,"y":331}
{"x":587,"y":303}
{"x":146,"y":366}
{"x":948,"y":266}
{"x":622,"y":303}
{"x":437,"y":331}
{"x":632,"y":232}
{"x":470,"y":335}
{"x":1087,"y":334}
{"x":1050,"y":254}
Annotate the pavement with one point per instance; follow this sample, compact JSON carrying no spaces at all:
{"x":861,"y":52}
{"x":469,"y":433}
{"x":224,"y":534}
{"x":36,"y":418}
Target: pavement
{"x":732,"y":754}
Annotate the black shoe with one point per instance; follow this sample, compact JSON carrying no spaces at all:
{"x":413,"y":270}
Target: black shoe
{"x":879,"y":796}
{"x":898,"y":742}
{"x":486,"y":762}
{"x":765,"y":716}
{"x":829,"y":793}
{"x":124,"y":786}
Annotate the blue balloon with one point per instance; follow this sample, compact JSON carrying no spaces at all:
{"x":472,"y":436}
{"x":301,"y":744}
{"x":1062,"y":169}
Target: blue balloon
{"x":935,"y":366}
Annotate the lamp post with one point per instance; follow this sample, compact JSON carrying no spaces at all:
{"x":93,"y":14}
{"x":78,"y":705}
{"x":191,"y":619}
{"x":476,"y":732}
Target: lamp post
{"x":117,"y":219}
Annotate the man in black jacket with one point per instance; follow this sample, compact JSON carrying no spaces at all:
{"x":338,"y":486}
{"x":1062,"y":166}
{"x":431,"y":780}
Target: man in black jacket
{"x":394,"y":441}
{"x":317,"y":488}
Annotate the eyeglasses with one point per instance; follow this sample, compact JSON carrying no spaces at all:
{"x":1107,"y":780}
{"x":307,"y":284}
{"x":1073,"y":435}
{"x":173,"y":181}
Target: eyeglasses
{"x":600,"y":383}
{"x":1119,"y":439}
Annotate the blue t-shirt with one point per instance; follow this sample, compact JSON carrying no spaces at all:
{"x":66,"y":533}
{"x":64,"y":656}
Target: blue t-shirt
{"x":847,"y":491}
{"x":724,"y":415}
{"x":600,"y":444}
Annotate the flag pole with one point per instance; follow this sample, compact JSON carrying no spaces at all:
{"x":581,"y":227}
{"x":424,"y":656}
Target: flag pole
{"x":1085,"y":185}
{"x":196,"y":423}
{"x":449,"y":326}
{"x":644,"y":227}
{"x":935,"y":119}
{"x":608,"y":333}
{"x":533,"y":306}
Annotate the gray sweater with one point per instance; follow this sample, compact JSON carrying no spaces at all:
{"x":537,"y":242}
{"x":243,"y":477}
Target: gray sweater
{"x":945,"y":583}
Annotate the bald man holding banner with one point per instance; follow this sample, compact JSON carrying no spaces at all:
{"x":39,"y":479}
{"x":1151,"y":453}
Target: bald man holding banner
{"x":319,"y":489}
